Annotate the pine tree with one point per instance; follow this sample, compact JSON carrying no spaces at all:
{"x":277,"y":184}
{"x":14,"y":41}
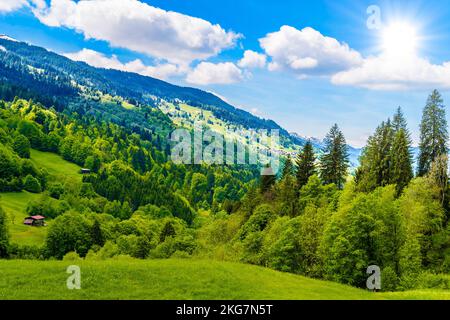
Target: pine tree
{"x":399,"y":122}
{"x":433,"y":133}
{"x":387,"y":157}
{"x":334,"y":160}
{"x":401,"y":171}
{"x":387,"y":136}
{"x":305,"y":165}
{"x":288,"y":168}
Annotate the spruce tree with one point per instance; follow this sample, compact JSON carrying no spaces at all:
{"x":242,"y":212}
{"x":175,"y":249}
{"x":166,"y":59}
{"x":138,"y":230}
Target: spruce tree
{"x":401,"y":171}
{"x":305,"y":165}
{"x":334,"y":160}
{"x":387,"y":135}
{"x":288,"y":168}
{"x":399,"y":122}
{"x":387,"y":157}
{"x":433,"y":133}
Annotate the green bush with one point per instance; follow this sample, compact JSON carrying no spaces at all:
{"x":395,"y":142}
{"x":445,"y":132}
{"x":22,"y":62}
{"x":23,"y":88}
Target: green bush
{"x":69,"y":232}
{"x":56,"y":190}
{"x":31,"y":184}
{"x":433,"y":281}
{"x":21,"y":145}
{"x":72,"y":256}
{"x":389,"y":279}
{"x":258,"y":221}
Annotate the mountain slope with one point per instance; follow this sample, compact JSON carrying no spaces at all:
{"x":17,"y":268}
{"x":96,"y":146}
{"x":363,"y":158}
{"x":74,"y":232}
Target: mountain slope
{"x":63,"y":77}
{"x":125,"y":98}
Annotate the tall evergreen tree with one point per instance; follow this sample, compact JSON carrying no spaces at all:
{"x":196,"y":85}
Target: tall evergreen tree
{"x":401,"y":171}
{"x":288,"y":168}
{"x":334,"y":160}
{"x":305,"y":165}
{"x":384,"y":153}
{"x":399,"y":122}
{"x":387,"y":157}
{"x":433,"y":133}
{"x":368,"y":175}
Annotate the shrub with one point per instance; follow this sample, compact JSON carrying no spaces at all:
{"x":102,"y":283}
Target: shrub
{"x":71,"y":256}
{"x":389,"y":279}
{"x":181,"y":243}
{"x":433,"y":281}
{"x":31,"y":184}
{"x":25,"y":252}
{"x":258,"y":221}
{"x":21,"y":145}
{"x":56,"y":190}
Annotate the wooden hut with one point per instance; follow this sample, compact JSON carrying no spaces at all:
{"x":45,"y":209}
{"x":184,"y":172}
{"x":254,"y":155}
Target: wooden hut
{"x":35,"y":221}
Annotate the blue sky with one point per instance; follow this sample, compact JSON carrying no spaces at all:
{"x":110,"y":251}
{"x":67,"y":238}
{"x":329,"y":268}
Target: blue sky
{"x":308,"y":64}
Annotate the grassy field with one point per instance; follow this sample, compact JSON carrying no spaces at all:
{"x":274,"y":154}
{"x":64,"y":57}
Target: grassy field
{"x":174,"y":279}
{"x":60,"y":169}
{"x":15,"y":204}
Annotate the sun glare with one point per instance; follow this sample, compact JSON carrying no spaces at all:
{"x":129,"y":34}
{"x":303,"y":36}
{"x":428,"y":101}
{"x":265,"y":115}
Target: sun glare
{"x":400,"y":39}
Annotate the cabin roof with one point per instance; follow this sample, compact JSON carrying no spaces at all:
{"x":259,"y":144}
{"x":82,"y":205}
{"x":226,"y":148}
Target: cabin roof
{"x":36,"y":217}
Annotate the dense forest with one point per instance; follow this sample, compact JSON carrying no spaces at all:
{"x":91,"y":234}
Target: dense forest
{"x":313,"y":219}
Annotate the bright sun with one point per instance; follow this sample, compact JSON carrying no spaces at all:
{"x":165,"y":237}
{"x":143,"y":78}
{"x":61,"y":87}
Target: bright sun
{"x":400,"y":39}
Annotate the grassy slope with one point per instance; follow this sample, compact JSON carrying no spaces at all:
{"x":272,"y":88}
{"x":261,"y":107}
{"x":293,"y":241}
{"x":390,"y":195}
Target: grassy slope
{"x":173,"y":279}
{"x":217,"y":125}
{"x":60,"y":169}
{"x":15,"y":203}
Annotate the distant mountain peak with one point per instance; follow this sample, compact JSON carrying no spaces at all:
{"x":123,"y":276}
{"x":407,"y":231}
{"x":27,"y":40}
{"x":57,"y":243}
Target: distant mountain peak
{"x":6,"y":37}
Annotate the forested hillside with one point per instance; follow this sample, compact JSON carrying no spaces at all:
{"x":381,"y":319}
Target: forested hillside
{"x":313,"y":219}
{"x":52,"y":79}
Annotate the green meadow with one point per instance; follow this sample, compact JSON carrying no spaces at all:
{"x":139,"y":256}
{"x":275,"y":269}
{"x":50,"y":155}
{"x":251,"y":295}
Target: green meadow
{"x":175,"y":279}
{"x":60,"y":169}
{"x":15,"y":203}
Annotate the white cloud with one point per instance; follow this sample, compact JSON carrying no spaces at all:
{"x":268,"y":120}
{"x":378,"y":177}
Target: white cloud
{"x":95,"y":59}
{"x":11,"y":5}
{"x":209,"y":73}
{"x":252,"y":59}
{"x":137,"y":26}
{"x":384,"y":72}
{"x":99,"y":60}
{"x":307,"y":52}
